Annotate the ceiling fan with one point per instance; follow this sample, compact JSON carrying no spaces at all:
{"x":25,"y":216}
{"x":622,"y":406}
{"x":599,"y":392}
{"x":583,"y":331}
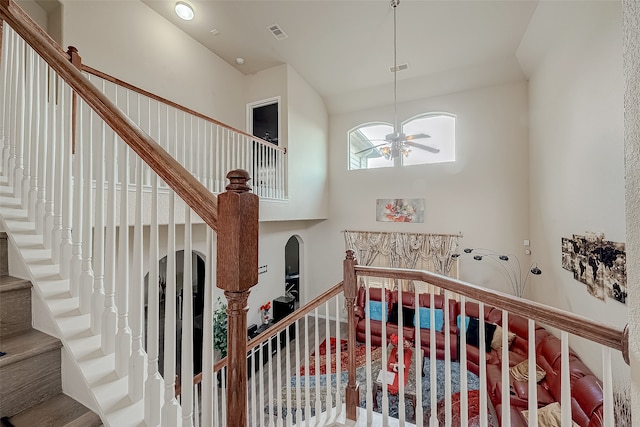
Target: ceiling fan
{"x":397,"y":143}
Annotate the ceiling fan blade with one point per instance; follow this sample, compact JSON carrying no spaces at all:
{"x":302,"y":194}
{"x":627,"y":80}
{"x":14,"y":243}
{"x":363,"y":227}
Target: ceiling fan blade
{"x":422,"y":147}
{"x":370,"y":148}
{"x":417,"y":136}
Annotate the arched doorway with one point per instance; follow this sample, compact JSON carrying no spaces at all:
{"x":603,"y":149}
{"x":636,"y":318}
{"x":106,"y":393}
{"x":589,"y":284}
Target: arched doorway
{"x":197,"y":284}
{"x":292,"y":256}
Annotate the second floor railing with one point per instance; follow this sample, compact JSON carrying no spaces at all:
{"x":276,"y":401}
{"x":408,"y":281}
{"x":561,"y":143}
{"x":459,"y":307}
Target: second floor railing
{"x":405,"y":355}
{"x":207,"y":147}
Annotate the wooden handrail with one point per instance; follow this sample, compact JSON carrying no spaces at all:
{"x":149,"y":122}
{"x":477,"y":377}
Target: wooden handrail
{"x":581,"y":326}
{"x":276,"y":329}
{"x":296,"y":315}
{"x":155,"y":97}
{"x":168,"y":169}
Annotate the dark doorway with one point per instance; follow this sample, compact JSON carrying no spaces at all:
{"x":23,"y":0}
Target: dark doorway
{"x":292,"y":268}
{"x":197,"y":283}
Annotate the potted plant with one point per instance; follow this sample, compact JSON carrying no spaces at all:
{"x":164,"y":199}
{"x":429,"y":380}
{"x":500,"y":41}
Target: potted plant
{"x":220,"y":328}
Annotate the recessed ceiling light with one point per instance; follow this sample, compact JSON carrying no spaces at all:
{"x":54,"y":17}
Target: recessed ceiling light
{"x":184,"y":11}
{"x":239,"y":60}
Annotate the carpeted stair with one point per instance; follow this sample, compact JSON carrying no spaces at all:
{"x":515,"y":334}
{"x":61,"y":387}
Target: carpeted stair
{"x":30,"y":380}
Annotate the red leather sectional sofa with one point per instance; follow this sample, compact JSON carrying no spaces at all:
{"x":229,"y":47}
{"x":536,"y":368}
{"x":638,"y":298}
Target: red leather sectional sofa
{"x":586,"y":389}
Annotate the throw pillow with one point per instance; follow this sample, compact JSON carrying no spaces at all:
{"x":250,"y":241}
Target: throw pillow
{"x":520,"y":372}
{"x":424,"y":315}
{"x":407,"y":315}
{"x":466,"y":322}
{"x":496,"y":342}
{"x":393,"y":315}
{"x":473,"y":333}
{"x":378,"y":311}
{"x":549,"y":416}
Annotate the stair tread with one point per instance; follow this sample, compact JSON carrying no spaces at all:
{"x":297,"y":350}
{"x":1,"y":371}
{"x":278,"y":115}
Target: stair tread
{"x":26,"y":344}
{"x":60,"y":410}
{"x":10,"y":283}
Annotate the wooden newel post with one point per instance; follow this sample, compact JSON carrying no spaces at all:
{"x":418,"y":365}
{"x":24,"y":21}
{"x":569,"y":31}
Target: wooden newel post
{"x":76,"y":60}
{"x":350,"y":291}
{"x":237,"y":273}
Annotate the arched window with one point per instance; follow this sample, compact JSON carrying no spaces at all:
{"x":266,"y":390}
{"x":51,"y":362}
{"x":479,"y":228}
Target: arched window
{"x":374,"y":145}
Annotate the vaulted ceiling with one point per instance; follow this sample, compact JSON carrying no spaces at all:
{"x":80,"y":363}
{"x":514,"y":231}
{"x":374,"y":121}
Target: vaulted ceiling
{"x":343,"y":48}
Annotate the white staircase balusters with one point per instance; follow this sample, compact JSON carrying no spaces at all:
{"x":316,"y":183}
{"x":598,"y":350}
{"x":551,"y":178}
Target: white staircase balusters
{"x":123,"y":336}
{"x":483,"y":365}
{"x":171,"y":409}
{"x":28,"y":122}
{"x":339,"y":367}
{"x":44,"y":141}
{"x":137,"y":362}
{"x":153,"y":386}
{"x":54,"y":112}
{"x":5,"y":96}
{"x":12,"y":110}
{"x":316,"y":345}
{"x":77,"y":228}
{"x":565,"y":393}
{"x":419,"y":358}
{"x":63,"y":116}
{"x":86,"y":277}
{"x":109,"y":314}
{"x":532,"y":381}
{"x":447,"y":357}
{"x":208,"y":382}
{"x":97,"y":296}
{"x":15,"y":177}
{"x":38,"y":84}
{"x":186,"y":374}
{"x":607,"y":380}
{"x":504,"y":370}
{"x":67,"y":190}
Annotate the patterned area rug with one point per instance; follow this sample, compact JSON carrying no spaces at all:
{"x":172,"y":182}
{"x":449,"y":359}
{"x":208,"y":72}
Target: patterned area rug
{"x":317,"y":394}
{"x":473,"y":383}
{"x":320,"y":360}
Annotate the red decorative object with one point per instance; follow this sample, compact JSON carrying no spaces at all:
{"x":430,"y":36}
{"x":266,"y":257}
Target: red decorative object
{"x":392,"y":366}
{"x":264,"y":312}
{"x":266,"y":306}
{"x":394,"y":339}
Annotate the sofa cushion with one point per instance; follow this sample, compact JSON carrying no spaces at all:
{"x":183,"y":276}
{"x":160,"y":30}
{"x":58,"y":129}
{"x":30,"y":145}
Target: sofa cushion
{"x":491,"y":314}
{"x":423,"y":318}
{"x":588,"y":394}
{"x":521,"y":389}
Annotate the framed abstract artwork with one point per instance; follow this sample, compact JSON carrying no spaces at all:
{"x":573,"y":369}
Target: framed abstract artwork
{"x":400,"y":210}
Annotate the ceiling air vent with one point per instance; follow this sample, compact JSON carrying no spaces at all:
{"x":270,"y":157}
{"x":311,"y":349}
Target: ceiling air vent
{"x":400,"y":67}
{"x":277,"y":32}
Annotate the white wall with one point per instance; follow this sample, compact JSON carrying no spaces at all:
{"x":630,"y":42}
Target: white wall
{"x":483,"y":194}
{"x":128,"y":40}
{"x":576,"y":148}
{"x":304,"y":132}
{"x":35,"y":12}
